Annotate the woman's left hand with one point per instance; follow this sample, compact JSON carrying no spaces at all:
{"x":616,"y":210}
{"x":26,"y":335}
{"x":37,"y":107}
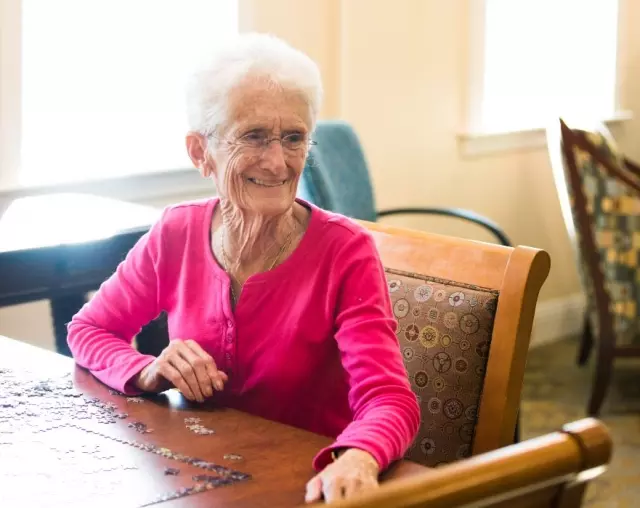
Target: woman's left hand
{"x":353,"y":472}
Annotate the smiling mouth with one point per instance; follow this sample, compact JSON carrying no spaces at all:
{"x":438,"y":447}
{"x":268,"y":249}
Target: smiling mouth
{"x":264,"y":183}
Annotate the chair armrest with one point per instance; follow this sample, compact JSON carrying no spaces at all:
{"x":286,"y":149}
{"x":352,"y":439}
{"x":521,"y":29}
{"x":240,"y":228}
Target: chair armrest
{"x":458,"y":213}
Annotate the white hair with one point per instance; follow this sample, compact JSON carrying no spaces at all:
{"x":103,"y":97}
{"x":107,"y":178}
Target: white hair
{"x":250,"y":55}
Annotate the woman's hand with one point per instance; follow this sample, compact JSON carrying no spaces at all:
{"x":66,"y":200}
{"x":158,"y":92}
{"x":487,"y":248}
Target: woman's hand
{"x":186,"y":366}
{"x":354,"y":471}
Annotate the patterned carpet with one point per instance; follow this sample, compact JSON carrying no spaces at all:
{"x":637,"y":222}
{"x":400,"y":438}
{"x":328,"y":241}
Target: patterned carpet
{"x":556,"y":391}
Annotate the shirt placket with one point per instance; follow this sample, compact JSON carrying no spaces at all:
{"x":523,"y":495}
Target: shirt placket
{"x":229,"y":346}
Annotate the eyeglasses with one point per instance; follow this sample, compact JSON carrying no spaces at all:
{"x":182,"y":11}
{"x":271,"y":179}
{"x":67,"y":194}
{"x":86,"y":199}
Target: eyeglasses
{"x":260,"y":140}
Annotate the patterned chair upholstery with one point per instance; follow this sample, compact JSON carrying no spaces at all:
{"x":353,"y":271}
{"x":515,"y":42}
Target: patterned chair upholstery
{"x":600,"y":193}
{"x":464,"y":312}
{"x":614,"y":207}
{"x":444,"y":330}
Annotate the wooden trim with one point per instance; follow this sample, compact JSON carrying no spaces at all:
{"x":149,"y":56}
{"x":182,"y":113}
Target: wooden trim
{"x":541,"y":469}
{"x":580,"y":140}
{"x":473,"y":253}
{"x":627,"y":351}
{"x":632,"y":166}
{"x":589,"y":248}
{"x":589,"y":253}
{"x":511,"y":337}
{"x":592,"y":439}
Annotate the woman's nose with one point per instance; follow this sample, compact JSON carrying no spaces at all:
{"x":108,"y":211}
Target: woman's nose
{"x":273,"y":155}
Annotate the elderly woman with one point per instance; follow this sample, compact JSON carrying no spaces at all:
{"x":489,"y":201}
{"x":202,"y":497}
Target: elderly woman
{"x":275,"y":307}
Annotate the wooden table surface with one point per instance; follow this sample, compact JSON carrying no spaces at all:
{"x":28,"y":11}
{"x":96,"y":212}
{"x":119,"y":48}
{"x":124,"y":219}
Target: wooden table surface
{"x":67,"y":440}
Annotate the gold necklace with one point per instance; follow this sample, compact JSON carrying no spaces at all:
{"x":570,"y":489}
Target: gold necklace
{"x":225,"y":261}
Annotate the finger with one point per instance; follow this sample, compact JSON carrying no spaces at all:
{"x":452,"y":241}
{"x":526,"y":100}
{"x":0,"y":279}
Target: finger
{"x":223,"y":376}
{"x":187,"y":373}
{"x":333,"y":490}
{"x":199,"y":363}
{"x":351,"y":485}
{"x":171,"y":374}
{"x":313,"y":490}
{"x":354,"y":486}
{"x":218,"y":378}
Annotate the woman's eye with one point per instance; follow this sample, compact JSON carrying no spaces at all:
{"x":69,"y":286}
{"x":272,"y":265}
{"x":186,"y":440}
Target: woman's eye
{"x":294,"y":138}
{"x":253,"y":136}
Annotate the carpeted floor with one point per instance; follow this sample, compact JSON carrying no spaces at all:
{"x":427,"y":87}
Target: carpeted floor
{"x":556,"y":391}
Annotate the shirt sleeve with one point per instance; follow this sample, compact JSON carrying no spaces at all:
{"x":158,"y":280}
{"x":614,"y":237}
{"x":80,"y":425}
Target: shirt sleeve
{"x":386,"y":414}
{"x":100,"y":335}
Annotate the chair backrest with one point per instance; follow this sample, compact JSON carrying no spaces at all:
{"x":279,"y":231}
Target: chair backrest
{"x":465,"y":311}
{"x":336,"y":176}
{"x":600,"y":201}
{"x":545,"y":472}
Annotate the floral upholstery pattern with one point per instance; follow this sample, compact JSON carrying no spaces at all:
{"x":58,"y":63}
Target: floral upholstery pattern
{"x":613,"y":207}
{"x":444,"y":330}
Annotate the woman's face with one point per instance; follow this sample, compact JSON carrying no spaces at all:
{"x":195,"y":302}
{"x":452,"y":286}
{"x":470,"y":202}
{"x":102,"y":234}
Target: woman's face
{"x":258,"y":157}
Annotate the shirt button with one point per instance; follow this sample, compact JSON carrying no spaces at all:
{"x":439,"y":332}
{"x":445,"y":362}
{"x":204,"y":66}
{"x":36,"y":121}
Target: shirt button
{"x":228,"y":356}
{"x":229,"y":338}
{"x":230,"y":324}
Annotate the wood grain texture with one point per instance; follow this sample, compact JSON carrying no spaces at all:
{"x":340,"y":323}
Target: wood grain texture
{"x":277,"y":457}
{"x":549,"y":471}
{"x":592,"y":178}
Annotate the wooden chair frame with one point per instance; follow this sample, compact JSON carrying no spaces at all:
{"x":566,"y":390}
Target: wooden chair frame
{"x":517,"y":273}
{"x":562,"y":139}
{"x":549,"y":471}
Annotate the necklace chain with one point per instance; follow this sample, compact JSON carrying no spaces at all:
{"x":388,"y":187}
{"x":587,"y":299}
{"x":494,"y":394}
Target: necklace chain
{"x":225,"y":261}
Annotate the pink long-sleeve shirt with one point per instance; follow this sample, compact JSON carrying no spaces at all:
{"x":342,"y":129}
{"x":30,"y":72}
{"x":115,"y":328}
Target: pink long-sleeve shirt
{"x":310,"y":343}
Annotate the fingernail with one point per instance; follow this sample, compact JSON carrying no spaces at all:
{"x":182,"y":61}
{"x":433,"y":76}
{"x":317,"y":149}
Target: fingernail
{"x":219,"y":385}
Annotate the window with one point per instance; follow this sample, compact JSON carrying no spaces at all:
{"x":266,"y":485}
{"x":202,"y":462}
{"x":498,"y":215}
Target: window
{"x":535,"y":60}
{"x":102,"y":84}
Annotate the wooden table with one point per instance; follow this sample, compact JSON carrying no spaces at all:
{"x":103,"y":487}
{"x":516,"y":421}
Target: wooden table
{"x":58,"y":247}
{"x":64,"y":439}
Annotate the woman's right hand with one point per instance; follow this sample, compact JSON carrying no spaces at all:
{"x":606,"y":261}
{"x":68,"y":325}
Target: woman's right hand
{"x":183,"y":364}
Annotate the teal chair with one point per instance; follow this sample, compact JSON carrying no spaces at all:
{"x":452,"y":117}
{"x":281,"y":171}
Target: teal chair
{"x":336,"y":178}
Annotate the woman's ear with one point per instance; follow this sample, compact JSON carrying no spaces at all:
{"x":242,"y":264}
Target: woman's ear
{"x":197,"y":150}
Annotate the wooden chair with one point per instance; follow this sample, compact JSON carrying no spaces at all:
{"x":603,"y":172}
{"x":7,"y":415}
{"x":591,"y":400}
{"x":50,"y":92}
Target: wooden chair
{"x":465,"y":311}
{"x":599,"y":193}
{"x":550,"y":471}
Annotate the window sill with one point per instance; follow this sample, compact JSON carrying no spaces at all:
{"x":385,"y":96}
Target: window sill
{"x":157,"y":187}
{"x":476,"y":144}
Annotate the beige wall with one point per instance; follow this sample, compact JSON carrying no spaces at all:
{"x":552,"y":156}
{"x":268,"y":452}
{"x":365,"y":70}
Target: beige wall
{"x":311,"y":25}
{"x":397,"y":71}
